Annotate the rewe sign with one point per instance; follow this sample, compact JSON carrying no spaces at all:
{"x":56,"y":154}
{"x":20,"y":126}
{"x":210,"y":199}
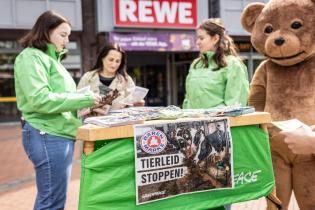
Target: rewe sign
{"x":156,"y":13}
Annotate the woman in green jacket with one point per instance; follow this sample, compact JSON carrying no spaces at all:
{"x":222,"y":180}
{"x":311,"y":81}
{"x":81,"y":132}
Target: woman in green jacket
{"x":218,"y":77}
{"x":46,"y":96}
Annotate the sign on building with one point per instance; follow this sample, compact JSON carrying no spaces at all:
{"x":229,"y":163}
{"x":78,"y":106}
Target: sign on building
{"x":155,"y":41}
{"x":156,"y":13}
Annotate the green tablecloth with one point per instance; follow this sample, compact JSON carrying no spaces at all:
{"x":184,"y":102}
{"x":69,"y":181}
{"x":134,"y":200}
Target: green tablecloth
{"x":108,"y":176}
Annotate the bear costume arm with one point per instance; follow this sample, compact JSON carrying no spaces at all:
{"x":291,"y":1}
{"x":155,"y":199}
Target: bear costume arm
{"x":257,"y":92}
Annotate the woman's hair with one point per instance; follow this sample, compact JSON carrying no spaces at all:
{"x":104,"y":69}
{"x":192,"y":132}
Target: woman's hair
{"x":104,"y":52}
{"x":38,"y":37}
{"x":225,"y":46}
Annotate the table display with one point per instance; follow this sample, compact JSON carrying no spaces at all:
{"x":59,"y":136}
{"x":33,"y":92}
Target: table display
{"x":108,"y":173}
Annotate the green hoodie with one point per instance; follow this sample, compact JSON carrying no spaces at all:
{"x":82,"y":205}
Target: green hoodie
{"x":206,"y":88}
{"x":46,"y":93}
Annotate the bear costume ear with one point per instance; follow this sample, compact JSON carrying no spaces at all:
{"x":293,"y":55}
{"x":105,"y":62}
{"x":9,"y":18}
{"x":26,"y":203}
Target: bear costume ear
{"x":250,"y":14}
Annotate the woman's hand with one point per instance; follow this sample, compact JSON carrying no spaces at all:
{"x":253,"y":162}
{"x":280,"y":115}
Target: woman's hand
{"x":97,"y":99}
{"x":100,"y":110}
{"x":96,"y":109}
{"x":83,"y":112}
{"x":301,"y":140}
{"x":139,"y":103}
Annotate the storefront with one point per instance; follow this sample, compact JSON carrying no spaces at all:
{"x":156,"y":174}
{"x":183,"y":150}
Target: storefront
{"x":159,"y":61}
{"x":159,"y":38}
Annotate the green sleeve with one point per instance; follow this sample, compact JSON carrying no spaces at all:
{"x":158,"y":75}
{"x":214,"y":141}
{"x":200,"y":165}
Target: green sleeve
{"x":33,"y":77}
{"x":237,"y":85}
{"x":185,"y":103}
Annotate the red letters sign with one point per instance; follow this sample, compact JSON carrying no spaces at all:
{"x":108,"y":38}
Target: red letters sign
{"x":156,"y":13}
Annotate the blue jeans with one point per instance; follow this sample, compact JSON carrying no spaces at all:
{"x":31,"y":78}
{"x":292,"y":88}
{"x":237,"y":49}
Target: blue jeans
{"x":52,"y":159}
{"x":228,"y":207}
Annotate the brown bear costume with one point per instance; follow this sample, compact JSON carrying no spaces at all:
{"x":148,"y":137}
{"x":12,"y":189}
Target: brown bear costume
{"x":284,"y":85}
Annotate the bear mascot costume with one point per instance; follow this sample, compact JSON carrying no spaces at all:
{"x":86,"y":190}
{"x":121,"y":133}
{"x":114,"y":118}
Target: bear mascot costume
{"x":284,"y":85}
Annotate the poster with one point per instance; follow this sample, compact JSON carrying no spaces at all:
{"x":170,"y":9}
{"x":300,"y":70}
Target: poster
{"x":182,"y":157}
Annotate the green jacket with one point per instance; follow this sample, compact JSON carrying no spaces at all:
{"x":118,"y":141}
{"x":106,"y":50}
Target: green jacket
{"x":206,"y":88}
{"x":46,"y":93}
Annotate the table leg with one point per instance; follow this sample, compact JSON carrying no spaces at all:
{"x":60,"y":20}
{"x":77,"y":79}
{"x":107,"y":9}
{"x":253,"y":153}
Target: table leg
{"x":88,"y":147}
{"x":264,"y":127}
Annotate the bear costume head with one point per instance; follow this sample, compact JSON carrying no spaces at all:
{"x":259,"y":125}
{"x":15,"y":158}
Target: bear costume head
{"x":282,"y":30}
{"x":284,"y":84}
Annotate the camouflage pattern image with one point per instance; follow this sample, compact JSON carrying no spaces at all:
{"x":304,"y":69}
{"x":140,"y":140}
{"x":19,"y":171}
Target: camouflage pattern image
{"x":182,"y":157}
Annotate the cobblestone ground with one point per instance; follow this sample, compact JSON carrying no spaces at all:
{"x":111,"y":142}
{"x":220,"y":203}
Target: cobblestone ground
{"x":17,"y":186}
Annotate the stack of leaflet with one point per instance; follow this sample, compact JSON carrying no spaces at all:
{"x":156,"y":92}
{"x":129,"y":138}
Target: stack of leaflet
{"x":230,"y":111}
{"x":114,"y":120}
{"x":137,"y":115}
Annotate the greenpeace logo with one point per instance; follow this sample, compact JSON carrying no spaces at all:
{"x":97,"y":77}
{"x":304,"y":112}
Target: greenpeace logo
{"x":246,"y":177}
{"x":149,"y":195}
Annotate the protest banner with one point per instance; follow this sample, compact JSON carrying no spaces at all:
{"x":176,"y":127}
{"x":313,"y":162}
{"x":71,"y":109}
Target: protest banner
{"x":181,"y":158}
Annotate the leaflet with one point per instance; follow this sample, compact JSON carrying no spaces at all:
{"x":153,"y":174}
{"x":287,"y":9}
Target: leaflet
{"x":288,"y":125}
{"x":137,"y":95}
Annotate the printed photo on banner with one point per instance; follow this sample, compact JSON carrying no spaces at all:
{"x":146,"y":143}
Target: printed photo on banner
{"x":182,"y":157}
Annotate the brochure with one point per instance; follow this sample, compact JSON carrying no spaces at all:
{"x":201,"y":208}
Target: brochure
{"x":113,"y":120}
{"x":289,"y":125}
{"x":137,"y":95}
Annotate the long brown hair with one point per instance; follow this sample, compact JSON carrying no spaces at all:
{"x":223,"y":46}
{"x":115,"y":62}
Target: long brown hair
{"x":224,"y":47}
{"x":38,"y":36}
{"x":104,"y":52}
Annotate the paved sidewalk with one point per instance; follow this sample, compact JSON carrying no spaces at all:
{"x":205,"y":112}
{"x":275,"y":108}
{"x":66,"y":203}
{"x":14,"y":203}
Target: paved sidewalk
{"x":17,"y":185}
{"x":17,"y":179}
{"x":23,"y":198}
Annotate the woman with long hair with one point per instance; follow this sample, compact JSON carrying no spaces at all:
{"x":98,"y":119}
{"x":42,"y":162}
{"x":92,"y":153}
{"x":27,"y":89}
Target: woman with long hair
{"x":109,"y":74}
{"x":218,"y":77}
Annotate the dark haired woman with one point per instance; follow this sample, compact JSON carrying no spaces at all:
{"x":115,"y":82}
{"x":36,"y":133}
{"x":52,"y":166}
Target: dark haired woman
{"x":46,"y":96}
{"x":109,"y":71}
{"x":218,"y":77}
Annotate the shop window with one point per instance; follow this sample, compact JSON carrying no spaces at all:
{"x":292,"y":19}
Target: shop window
{"x":8,"y":53}
{"x":182,"y":70}
{"x":8,"y":109}
{"x":152,"y":77}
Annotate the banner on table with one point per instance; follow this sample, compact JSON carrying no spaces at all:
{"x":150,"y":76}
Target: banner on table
{"x":181,"y":158}
{"x":108,"y":176}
